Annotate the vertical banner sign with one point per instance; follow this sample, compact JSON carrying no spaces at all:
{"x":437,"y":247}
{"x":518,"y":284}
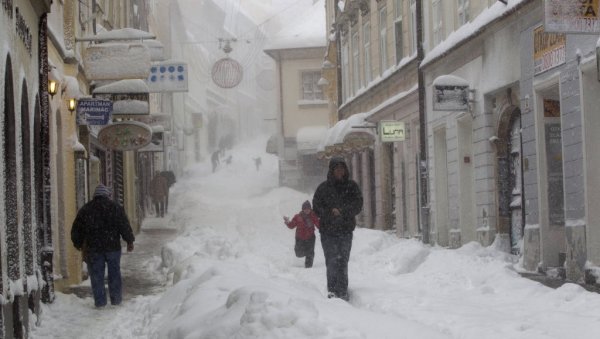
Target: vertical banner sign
{"x":572,"y":16}
{"x":548,"y":50}
{"x":554,"y":162}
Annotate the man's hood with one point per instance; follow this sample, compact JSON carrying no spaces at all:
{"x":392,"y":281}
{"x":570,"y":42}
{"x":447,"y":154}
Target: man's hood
{"x":333,"y":163}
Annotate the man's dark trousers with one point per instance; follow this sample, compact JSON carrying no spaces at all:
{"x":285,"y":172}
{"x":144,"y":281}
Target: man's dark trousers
{"x":96,"y":266}
{"x":337,"y":254}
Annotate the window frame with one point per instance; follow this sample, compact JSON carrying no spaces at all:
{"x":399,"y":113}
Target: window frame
{"x":382,"y":40}
{"x":368,"y":74}
{"x":315,"y":90}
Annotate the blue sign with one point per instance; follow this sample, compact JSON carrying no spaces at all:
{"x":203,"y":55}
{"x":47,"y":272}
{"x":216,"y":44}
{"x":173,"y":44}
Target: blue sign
{"x":91,"y":111}
{"x":168,"y":76}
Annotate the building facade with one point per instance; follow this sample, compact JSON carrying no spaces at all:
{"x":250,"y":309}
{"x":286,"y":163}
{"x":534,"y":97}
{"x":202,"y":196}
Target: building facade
{"x":24,"y":228}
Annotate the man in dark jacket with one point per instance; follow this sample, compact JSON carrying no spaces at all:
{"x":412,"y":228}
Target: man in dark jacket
{"x":337,"y":201}
{"x":97,"y":232}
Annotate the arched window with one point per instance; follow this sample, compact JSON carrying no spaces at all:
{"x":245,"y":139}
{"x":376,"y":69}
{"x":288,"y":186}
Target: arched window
{"x":10,"y":176}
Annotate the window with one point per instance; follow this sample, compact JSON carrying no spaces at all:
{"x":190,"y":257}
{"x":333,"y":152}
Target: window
{"x":398,"y":30}
{"x":382,"y":40}
{"x":310,"y":88}
{"x":413,"y":26}
{"x":345,"y":71}
{"x":355,"y":63}
{"x":437,"y":21}
{"x":367,"y":51}
{"x":463,"y":12}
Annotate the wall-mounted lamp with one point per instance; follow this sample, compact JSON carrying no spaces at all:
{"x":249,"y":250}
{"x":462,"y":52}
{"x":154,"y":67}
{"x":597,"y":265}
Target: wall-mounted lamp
{"x":72,"y":105}
{"x":52,"y":87}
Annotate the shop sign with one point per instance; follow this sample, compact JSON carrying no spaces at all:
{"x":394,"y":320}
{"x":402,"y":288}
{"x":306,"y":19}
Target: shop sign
{"x":391,"y":131}
{"x":125,"y":135}
{"x":549,"y":50}
{"x":113,"y":61}
{"x":448,"y":97}
{"x":168,"y":76}
{"x":94,"y":111}
{"x":572,"y":16}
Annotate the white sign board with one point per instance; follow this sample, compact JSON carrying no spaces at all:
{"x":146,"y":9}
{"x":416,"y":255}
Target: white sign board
{"x":168,"y":76}
{"x":571,"y":16}
{"x":391,"y":131}
{"x":116,"y":61}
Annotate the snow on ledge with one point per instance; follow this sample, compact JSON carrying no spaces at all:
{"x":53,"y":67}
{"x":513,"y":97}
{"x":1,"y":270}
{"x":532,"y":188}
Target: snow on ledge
{"x":450,"y":80}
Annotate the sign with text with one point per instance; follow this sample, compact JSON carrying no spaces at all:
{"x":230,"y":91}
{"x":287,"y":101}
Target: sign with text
{"x":549,"y":50}
{"x":450,"y":98}
{"x":572,"y":16}
{"x":91,"y":111}
{"x":125,"y":135}
{"x":391,"y":131}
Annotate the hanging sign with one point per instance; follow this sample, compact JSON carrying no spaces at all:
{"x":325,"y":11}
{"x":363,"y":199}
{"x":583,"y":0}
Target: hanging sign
{"x":391,"y":131}
{"x":572,"y":16}
{"x":168,"y":76}
{"x":125,"y":135}
{"x":92,"y":111}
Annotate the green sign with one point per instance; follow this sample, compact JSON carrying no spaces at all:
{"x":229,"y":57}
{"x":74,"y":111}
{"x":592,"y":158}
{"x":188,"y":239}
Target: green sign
{"x":391,"y":131}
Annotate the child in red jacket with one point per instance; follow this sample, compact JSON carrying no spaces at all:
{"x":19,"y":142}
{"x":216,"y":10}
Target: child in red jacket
{"x":305,"y":223}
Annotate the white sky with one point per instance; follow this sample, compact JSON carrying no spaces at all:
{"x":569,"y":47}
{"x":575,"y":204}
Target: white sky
{"x":237,"y":277}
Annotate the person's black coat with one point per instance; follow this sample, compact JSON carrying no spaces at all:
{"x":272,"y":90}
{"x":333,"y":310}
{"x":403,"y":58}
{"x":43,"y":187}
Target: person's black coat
{"x":100,"y":224}
{"x":344,"y":195}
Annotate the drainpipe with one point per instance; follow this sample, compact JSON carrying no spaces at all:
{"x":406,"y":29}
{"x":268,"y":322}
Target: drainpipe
{"x":423,"y":162}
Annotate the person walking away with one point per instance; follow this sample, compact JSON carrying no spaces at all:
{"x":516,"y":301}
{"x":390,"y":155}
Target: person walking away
{"x":159,"y":189}
{"x":336,"y":202}
{"x":170,"y":182}
{"x":97,"y":231}
{"x":214,"y":158}
{"x":257,"y":162}
{"x":304,"y":223}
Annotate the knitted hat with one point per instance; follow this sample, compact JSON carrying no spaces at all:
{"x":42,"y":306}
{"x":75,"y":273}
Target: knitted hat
{"x":102,"y":190}
{"x":306,"y":205}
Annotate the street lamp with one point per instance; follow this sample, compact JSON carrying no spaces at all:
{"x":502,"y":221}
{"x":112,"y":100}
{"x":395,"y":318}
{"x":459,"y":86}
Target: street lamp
{"x":72,"y":104}
{"x":52,"y":87}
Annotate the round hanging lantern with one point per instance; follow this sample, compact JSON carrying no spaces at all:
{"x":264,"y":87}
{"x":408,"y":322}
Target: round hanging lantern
{"x":227,"y":73}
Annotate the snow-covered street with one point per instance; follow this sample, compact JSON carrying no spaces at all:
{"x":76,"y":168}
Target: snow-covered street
{"x":230,"y":272}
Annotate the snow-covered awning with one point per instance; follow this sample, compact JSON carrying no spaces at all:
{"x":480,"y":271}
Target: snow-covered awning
{"x":308,"y":138}
{"x":116,"y":61}
{"x":157,"y":50}
{"x":130,"y":107}
{"x":347,"y":135}
{"x":126,"y":86}
{"x":119,"y":35}
{"x":158,"y":129}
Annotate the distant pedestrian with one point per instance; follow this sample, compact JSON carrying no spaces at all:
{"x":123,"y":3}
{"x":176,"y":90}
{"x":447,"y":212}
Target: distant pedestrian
{"x":159,"y":190}
{"x":97,"y":231}
{"x":170,"y":182}
{"x":305,"y":223}
{"x":336,"y":202}
{"x":257,"y":162}
{"x":214,"y":158}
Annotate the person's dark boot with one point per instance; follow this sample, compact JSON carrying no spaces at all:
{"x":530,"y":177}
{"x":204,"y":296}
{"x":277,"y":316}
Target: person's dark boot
{"x":308,"y":262}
